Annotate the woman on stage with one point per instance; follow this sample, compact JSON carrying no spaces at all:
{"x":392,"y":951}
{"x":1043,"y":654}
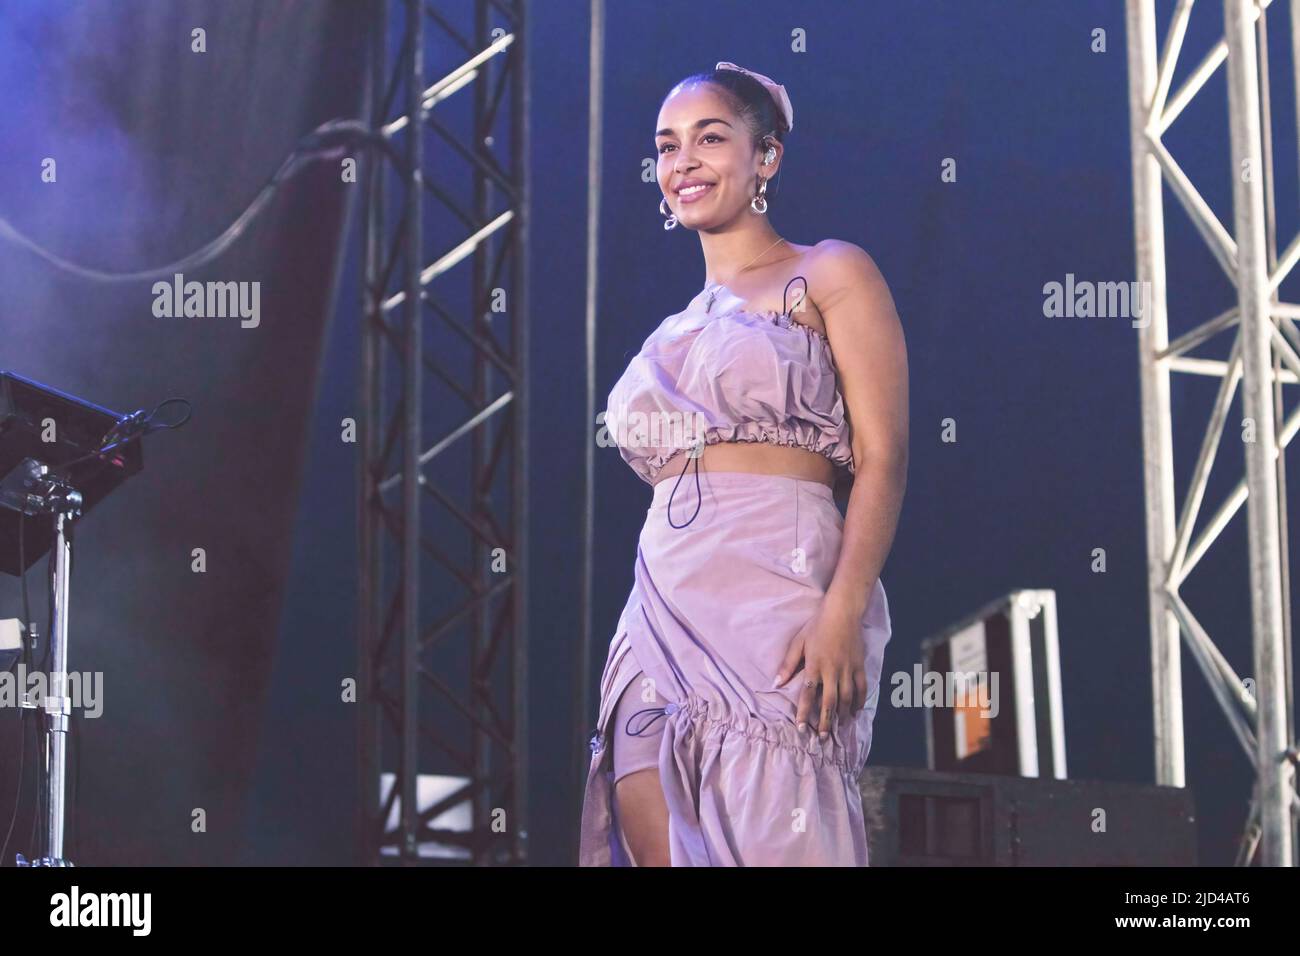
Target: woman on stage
{"x":741,"y":685}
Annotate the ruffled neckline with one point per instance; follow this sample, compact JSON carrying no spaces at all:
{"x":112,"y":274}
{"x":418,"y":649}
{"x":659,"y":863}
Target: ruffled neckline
{"x":780,"y":319}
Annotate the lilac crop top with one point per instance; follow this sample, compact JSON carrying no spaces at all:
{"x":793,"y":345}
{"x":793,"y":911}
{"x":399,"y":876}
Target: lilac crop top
{"x":728,"y":375}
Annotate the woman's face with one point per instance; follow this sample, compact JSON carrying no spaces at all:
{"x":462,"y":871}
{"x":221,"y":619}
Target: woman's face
{"x":701,"y":142}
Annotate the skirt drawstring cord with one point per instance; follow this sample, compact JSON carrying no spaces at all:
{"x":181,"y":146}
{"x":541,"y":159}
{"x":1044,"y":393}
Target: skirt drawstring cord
{"x":657,"y":711}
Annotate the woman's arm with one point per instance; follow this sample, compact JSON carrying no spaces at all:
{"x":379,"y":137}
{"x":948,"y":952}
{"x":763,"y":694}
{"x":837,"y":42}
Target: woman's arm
{"x":867,"y":342}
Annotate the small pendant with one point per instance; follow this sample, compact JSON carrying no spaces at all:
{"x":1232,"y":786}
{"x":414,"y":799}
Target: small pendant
{"x":713,"y":295}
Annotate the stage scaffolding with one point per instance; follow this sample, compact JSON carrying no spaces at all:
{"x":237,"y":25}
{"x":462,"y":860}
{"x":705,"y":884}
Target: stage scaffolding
{"x":442,"y":424}
{"x":1265,"y":354}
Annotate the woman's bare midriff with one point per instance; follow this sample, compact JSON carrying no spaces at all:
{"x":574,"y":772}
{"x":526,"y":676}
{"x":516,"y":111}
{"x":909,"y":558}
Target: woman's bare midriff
{"x":757,"y":458}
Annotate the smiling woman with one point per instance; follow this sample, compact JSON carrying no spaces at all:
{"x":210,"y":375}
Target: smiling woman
{"x":742,"y":682}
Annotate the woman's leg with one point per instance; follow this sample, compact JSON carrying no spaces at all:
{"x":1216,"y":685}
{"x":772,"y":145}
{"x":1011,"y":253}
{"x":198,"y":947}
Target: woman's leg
{"x":641,"y":810}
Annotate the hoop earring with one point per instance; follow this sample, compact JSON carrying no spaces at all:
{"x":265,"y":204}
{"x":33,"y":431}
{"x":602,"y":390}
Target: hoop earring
{"x":759,"y":202}
{"x":671,"y":221}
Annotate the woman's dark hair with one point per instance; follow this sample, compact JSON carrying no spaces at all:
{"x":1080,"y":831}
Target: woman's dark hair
{"x":749,"y":99}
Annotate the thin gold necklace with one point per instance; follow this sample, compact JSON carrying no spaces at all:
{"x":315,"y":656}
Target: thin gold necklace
{"x":714,"y":289}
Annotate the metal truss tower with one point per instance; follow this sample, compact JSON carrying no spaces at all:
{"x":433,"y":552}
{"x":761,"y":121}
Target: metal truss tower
{"x":1264,"y":355}
{"x":442,"y":511}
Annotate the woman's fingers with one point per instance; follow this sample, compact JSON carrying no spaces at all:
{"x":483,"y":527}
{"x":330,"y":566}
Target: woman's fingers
{"x":790,"y":663}
{"x":830,"y":701}
{"x":848,"y":700}
{"x":860,"y":682}
{"x":834,"y":698}
{"x":807,"y":700}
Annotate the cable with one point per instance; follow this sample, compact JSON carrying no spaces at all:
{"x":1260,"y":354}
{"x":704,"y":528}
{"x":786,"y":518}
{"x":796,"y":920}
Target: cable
{"x":317,"y":144}
{"x":18,"y":790}
{"x":128,"y":429}
{"x":34,"y":848}
{"x":74,"y":796}
{"x":49,"y":609}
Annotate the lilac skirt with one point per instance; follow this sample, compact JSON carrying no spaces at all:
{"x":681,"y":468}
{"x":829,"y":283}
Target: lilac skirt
{"x":712,"y":611}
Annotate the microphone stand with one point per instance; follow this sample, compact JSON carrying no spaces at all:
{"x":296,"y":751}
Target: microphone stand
{"x":33,"y":488}
{"x":48,"y":493}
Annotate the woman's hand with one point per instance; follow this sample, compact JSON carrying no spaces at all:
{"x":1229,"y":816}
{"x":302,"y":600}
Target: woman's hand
{"x":832,"y":649}
{"x":866,"y":338}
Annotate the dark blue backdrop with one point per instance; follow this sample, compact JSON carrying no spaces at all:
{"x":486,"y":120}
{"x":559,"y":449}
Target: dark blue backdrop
{"x":1046,"y":468}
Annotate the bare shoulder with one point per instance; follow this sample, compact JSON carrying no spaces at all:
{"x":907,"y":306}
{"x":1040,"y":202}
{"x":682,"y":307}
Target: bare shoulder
{"x":837,"y":262}
{"x":844,"y":278}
